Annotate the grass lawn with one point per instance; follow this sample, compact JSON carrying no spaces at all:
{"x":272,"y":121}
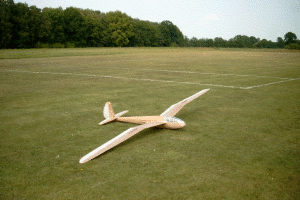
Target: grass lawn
{"x":241,"y":141}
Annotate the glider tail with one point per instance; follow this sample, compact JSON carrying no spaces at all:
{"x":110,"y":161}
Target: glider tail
{"x":109,"y":114}
{"x":108,"y":111}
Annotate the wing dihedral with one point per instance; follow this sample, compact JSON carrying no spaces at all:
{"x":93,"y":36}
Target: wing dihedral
{"x":117,"y":140}
{"x":175,"y":108}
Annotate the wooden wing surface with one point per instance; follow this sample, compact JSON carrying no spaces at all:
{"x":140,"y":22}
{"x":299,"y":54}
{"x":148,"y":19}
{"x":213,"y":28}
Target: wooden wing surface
{"x":117,"y":140}
{"x":175,"y":108}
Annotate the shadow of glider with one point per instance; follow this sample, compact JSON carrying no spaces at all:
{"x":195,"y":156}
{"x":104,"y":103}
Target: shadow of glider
{"x":165,"y":120}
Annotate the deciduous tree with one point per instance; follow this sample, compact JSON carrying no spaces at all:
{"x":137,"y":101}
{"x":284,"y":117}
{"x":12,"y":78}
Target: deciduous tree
{"x":146,"y":34}
{"x":290,"y":38}
{"x":96,"y":28}
{"x":280,"y":42}
{"x":75,"y":27}
{"x":55,"y":22}
{"x":169,"y":33}
{"x":6,"y":25}
{"x":120,"y":28}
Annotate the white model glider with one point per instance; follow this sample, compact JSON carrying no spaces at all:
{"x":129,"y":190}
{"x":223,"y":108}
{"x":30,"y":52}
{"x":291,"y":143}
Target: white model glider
{"x":165,"y":120}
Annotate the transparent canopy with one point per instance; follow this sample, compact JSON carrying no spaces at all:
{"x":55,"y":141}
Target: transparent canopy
{"x":173,"y":119}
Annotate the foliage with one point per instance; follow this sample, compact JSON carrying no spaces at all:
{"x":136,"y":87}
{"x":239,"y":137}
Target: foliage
{"x":266,"y":44}
{"x":290,"y":38}
{"x":241,"y":41}
{"x":145,"y":34}
{"x":58,"y":45}
{"x":55,"y":25}
{"x":169,"y":33}
{"x":6,"y":24}
{"x":280,"y":42}
{"x":120,"y":28}
{"x":30,"y":27}
{"x":75,"y":27}
{"x":220,"y":42}
{"x":96,"y":27}
{"x":293,"y":46}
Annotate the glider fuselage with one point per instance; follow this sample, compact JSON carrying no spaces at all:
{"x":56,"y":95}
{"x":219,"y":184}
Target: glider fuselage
{"x":169,"y":122}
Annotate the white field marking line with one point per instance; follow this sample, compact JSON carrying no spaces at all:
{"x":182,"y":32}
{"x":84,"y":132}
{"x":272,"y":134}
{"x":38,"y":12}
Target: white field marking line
{"x":172,"y":71}
{"x":190,"y":72}
{"x":130,"y":60}
{"x":126,"y":78}
{"x":256,"y":86}
{"x":108,"y":61}
{"x":155,"y":80}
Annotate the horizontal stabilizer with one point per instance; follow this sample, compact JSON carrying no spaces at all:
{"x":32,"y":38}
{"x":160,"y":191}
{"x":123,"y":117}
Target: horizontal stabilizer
{"x":109,"y":114}
{"x":121,"y":113}
{"x":107,"y":120}
{"x":113,"y":118}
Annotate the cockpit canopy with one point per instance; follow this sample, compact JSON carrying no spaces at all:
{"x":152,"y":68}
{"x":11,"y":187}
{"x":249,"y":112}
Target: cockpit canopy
{"x":173,"y":120}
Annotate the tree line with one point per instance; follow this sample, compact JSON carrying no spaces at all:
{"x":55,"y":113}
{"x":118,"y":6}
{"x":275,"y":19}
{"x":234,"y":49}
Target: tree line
{"x":242,"y":41}
{"x":24,"y":26}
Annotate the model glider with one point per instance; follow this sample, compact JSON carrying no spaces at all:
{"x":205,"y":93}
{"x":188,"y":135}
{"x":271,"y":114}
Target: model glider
{"x":165,"y":120}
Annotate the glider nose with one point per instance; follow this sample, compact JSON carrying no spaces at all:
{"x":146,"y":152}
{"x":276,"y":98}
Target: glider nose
{"x":182,"y":124}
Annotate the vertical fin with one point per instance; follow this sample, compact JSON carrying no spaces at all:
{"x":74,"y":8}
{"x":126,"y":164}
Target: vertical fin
{"x":108,"y":111}
{"x":109,"y":114}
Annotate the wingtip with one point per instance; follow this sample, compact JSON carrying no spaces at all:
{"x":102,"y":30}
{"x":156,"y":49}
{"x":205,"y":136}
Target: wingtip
{"x":205,"y":90}
{"x":82,"y":161}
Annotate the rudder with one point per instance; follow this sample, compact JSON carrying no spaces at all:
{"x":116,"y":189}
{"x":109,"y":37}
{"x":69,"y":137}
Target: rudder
{"x":108,"y":111}
{"x":109,"y":114}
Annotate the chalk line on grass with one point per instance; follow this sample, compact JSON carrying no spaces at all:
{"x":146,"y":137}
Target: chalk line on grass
{"x":153,"y":80}
{"x":127,"y":78}
{"x":256,"y":86}
{"x":191,"y":72}
{"x":177,"y":71}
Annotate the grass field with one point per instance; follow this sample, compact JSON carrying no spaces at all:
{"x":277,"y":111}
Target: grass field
{"x":241,"y":140}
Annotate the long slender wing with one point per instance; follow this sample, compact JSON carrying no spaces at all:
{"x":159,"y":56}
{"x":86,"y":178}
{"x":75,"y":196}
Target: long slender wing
{"x":174,"y":109}
{"x":117,"y":140}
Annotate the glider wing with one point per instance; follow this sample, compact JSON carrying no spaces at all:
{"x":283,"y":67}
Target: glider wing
{"x":117,"y":140}
{"x":175,"y":108}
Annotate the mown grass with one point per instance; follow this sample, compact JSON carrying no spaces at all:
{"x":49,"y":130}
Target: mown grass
{"x":238,"y":143}
{"x":60,"y":52}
